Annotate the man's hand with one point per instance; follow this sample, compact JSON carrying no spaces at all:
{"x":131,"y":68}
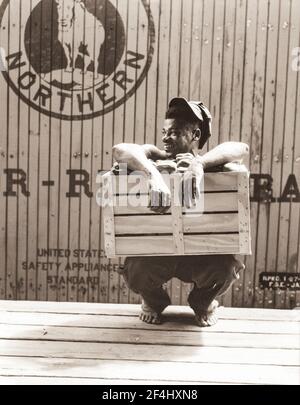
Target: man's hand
{"x":160,"y":196}
{"x":184,"y":161}
{"x":167,"y":166}
{"x":192,"y":170}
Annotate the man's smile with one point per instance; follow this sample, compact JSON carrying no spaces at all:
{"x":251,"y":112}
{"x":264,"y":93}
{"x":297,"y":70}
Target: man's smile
{"x":169,"y":146}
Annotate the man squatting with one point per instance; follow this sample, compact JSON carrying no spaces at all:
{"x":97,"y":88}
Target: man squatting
{"x":187,"y":127}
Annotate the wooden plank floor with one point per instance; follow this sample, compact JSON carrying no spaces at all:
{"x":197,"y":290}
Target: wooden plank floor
{"x":81,"y":343}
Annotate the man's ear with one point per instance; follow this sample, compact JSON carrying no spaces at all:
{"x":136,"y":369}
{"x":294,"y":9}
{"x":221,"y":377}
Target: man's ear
{"x":197,"y":134}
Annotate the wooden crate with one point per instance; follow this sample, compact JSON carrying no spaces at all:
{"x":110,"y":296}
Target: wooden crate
{"x":220,"y":226}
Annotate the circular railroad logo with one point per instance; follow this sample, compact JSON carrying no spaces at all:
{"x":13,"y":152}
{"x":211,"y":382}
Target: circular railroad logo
{"x":76,"y":59}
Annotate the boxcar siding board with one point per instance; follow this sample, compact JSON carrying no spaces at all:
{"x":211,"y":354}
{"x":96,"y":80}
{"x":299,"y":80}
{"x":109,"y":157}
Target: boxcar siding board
{"x":152,"y":76}
{"x":246,"y":130}
{"x":207,"y":52}
{"x":185,"y":55}
{"x":196,"y":51}
{"x":85,"y":203}
{"x":163,"y":24}
{"x":237,"y":95}
{"x":13,"y":162}
{"x":64,"y":203}
{"x":294,"y":245}
{"x":258,"y":148}
{"x":287,"y":298}
{"x":22,"y":200}
{"x":53,"y":175}
{"x":4,"y":89}
{"x":278,"y":141}
{"x":44,"y":165}
{"x":217,"y":69}
{"x":32,"y":175}
{"x":74,"y":211}
{"x":257,"y":129}
{"x":85,"y":164}
{"x":141,"y":93}
{"x":225,"y":35}
{"x":267,"y":141}
{"x":238,"y":70}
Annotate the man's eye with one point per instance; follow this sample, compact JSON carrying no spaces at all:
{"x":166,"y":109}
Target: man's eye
{"x":170,"y":133}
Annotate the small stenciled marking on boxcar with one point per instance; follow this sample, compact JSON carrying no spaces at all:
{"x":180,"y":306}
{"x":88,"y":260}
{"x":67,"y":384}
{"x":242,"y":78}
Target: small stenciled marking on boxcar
{"x":279,"y":281}
{"x":75,"y":60}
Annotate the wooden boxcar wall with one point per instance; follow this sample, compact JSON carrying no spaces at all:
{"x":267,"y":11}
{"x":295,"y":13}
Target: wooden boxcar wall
{"x":58,"y":126}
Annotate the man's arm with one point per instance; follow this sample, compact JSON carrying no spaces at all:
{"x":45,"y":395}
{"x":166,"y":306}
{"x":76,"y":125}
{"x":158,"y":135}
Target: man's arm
{"x":224,"y":155}
{"x":226,"y":152}
{"x":136,"y":158}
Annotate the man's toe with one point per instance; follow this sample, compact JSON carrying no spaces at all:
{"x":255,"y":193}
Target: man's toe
{"x":212,"y":320}
{"x":143,"y":317}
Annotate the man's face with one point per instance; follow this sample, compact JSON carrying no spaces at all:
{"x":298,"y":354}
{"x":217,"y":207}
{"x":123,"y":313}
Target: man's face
{"x":178,"y":137}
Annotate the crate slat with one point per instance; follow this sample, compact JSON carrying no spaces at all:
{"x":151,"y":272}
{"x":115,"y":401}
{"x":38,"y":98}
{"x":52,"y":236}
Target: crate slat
{"x":109,"y":226}
{"x":136,"y":245}
{"x":211,"y":244}
{"x":244,"y":213}
{"x":177,"y":217}
{"x":214,"y":202}
{"x":143,"y":224}
{"x":148,"y":224}
{"x":211,"y":223}
{"x":212,"y":182}
{"x":163,"y":244}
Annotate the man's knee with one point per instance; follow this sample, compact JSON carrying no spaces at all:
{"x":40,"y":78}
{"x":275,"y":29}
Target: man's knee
{"x":218,"y":270}
{"x":234,"y":267}
{"x":137,"y":276}
{"x":229,"y":268}
{"x":228,"y":273}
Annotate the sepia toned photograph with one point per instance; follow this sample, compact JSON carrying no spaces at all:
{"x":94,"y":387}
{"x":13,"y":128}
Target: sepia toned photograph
{"x":149,"y":195}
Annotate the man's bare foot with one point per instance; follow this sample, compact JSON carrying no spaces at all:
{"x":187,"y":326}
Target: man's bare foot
{"x":148,"y":315}
{"x":208,"y":317}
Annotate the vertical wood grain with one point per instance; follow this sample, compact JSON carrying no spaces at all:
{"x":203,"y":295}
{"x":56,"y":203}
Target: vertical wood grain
{"x":278,"y":136}
{"x":246,"y":130}
{"x":4,"y":94}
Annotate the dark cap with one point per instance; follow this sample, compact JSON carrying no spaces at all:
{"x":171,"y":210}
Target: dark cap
{"x":200,"y":112}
